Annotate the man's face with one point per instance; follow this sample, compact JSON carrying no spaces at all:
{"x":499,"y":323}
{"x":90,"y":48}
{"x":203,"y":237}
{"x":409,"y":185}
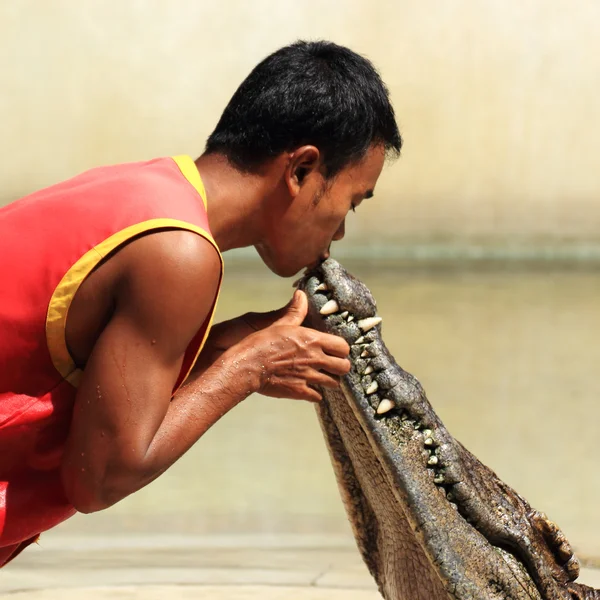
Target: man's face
{"x":301,"y":232}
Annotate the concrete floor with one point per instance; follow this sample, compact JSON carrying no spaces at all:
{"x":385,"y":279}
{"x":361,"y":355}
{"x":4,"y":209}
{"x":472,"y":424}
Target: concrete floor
{"x":195,"y":592}
{"x":226,"y":567}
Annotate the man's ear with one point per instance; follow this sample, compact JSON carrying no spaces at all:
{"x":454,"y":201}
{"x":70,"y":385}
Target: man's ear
{"x":303,"y":162}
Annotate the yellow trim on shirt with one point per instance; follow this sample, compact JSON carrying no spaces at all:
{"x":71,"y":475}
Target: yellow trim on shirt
{"x":58,"y":309}
{"x":190,"y":172}
{"x":207,"y":330}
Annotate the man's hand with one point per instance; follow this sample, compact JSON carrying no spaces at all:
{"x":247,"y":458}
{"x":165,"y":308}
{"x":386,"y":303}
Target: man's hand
{"x":290,"y":359}
{"x":229,"y":333}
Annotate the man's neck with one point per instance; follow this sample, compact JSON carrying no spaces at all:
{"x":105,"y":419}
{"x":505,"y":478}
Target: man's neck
{"x":235,"y":202}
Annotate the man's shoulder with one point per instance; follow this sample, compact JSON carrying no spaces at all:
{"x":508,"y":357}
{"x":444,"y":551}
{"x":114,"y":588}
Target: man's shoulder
{"x":169,"y":279}
{"x":177,"y":252}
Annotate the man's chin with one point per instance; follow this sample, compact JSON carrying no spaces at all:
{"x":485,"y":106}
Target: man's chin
{"x":285,"y":270}
{"x":279,"y":269}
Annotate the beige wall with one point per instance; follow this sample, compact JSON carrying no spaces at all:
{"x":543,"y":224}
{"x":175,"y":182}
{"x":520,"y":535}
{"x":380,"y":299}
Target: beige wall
{"x":499,"y":102}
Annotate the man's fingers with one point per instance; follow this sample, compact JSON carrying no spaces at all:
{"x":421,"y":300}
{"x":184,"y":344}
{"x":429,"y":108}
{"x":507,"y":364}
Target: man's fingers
{"x":295,"y":311}
{"x":310,"y":394}
{"x":333,"y":345}
{"x":335,"y":365}
{"x":325,"y":380}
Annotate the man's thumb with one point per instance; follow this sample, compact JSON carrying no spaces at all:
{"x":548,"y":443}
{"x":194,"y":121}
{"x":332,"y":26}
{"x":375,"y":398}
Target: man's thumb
{"x":295,"y":311}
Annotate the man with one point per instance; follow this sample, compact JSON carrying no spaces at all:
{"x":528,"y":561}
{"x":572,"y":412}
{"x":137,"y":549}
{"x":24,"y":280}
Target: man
{"x":109,"y":281}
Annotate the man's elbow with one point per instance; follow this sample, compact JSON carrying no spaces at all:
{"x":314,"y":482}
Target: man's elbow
{"x":88,"y":496}
{"x":88,"y":500}
{"x":87,"y":506}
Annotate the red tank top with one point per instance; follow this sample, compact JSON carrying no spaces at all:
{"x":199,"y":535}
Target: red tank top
{"x":49,"y":242}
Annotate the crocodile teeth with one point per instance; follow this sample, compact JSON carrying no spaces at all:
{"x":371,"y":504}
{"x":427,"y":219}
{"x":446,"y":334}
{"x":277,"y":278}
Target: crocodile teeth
{"x":369,"y":323}
{"x":360,"y":340}
{"x":350,"y":319}
{"x":559,"y":537}
{"x":438,"y":479}
{"x":572,"y":568}
{"x":433,"y":460}
{"x":428,"y":441}
{"x":385,"y":406}
{"x":364,"y":354}
{"x":564,"y":551}
{"x":330,"y":307}
{"x":368,"y":370}
{"x":344,"y":314}
{"x":427,"y":433}
{"x":373,"y":387}
{"x":322,"y":287}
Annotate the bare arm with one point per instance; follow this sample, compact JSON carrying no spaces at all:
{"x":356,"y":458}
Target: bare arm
{"x":119,"y":438}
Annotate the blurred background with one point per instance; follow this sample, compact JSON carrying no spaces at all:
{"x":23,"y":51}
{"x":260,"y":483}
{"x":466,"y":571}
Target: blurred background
{"x":482,"y":243}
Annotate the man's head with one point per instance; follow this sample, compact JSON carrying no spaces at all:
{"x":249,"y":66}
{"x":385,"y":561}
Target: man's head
{"x":321,"y":114}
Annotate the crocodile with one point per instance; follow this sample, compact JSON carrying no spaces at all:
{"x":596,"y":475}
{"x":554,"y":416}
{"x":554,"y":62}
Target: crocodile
{"x":430,"y":520}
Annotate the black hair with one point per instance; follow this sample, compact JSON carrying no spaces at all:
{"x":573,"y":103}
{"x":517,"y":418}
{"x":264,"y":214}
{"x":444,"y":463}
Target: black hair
{"x":315,"y":93}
